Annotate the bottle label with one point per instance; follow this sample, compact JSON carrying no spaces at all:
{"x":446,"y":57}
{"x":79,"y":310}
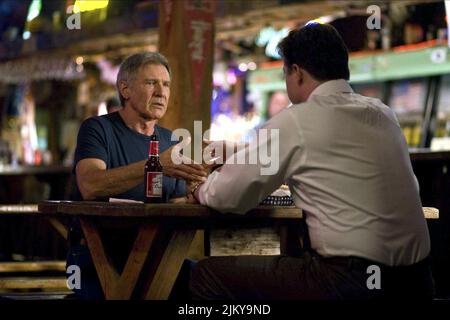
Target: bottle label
{"x":154,"y":184}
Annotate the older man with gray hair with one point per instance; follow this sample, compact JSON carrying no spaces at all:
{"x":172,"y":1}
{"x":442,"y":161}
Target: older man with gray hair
{"x":112,"y":150}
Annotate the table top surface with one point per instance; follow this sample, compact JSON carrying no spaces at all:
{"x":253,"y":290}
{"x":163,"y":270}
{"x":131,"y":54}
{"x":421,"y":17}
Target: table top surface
{"x":142,"y":210}
{"x":119,"y":209}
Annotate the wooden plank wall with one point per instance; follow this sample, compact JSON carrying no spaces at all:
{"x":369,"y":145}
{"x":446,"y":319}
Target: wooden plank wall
{"x":234,"y":241}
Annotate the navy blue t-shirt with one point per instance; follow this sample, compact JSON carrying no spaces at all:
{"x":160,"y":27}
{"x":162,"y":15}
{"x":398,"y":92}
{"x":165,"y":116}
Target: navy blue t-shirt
{"x":108,"y":138}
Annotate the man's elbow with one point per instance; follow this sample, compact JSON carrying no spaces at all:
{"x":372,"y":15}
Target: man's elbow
{"x":224,"y":202}
{"x":227,"y":207}
{"x":87,"y":190}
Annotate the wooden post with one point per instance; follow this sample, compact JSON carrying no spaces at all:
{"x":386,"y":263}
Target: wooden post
{"x":186,"y":38}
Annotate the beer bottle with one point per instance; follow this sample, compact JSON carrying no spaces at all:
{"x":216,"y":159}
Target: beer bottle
{"x":153,"y":174}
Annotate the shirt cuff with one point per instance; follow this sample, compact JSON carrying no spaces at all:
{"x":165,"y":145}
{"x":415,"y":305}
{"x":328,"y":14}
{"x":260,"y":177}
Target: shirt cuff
{"x":201,"y":193}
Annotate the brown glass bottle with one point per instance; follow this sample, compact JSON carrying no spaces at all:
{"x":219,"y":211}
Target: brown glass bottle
{"x":153,"y":174}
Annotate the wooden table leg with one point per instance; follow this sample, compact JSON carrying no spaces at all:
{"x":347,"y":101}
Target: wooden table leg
{"x":170,"y":264}
{"x":138,"y":256}
{"x":59,"y":227}
{"x":117,"y":286}
{"x":291,"y":238}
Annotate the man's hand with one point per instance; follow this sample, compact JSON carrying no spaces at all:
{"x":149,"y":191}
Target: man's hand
{"x":191,"y":187}
{"x":184,"y":168}
{"x":191,"y":199}
{"x":220,"y":150}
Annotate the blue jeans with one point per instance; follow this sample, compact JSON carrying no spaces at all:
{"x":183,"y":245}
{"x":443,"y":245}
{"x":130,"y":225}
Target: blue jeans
{"x":90,"y":285}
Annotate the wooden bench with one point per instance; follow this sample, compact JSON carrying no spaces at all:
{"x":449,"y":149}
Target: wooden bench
{"x":32,"y":209}
{"x":9,"y":283}
{"x":32,"y":266}
{"x":32,"y":275}
{"x":53,"y":295}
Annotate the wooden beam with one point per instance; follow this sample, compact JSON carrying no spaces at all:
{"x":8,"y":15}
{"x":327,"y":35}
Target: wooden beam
{"x":108,"y":276}
{"x":176,"y":251}
{"x":33,"y":283}
{"x":35,"y":266}
{"x":132,"y":270}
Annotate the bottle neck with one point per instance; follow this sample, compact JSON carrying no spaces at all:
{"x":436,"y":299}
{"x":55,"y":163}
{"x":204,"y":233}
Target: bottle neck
{"x":154,"y":149}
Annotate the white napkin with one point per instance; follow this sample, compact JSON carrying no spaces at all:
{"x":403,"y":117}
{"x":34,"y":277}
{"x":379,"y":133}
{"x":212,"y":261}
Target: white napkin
{"x":124,"y":200}
{"x":281,"y":193}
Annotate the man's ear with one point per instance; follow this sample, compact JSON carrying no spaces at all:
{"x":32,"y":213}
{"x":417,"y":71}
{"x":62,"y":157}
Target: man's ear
{"x":124,"y":90}
{"x":298,"y":73}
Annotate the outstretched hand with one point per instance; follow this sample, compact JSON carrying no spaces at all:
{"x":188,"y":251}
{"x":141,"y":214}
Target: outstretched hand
{"x":219,"y":151}
{"x":179,"y":166}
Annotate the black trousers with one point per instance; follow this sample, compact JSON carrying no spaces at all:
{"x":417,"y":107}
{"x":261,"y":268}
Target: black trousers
{"x":308,"y":277}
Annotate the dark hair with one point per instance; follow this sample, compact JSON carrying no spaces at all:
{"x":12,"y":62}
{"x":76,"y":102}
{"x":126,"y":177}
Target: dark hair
{"x":317,"y":48}
{"x":131,"y":65}
{"x":112,"y":102}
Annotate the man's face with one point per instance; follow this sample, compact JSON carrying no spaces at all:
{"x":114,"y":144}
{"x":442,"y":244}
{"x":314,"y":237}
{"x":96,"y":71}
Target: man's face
{"x":149,"y":91}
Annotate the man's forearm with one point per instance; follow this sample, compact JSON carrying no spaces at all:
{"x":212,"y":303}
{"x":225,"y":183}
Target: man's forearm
{"x":104,"y":183}
{"x":95,"y":181}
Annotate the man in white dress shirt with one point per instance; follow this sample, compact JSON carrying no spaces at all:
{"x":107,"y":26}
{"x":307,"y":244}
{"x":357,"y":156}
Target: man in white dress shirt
{"x":348,"y":168}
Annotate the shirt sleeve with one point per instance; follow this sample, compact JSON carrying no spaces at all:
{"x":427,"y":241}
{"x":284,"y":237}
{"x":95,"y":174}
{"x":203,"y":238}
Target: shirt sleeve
{"x":91,"y":141}
{"x":237,"y":188}
{"x":180,"y":189}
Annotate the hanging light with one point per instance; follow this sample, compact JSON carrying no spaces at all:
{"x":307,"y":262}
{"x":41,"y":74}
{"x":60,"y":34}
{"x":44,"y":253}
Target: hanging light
{"x":79,"y":60}
{"x":251,"y":66}
{"x":89,"y":5}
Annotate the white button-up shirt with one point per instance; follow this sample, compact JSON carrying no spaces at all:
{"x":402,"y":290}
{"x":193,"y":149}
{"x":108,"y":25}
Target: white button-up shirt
{"x":347,"y":165}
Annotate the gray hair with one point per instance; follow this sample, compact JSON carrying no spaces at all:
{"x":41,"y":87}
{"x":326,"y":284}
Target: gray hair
{"x":130,"y":66}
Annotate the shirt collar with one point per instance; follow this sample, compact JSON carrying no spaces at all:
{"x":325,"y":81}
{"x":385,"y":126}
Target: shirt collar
{"x":331,"y":87}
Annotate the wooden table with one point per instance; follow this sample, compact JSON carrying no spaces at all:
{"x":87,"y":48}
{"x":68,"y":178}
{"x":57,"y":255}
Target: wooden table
{"x":165,"y":233}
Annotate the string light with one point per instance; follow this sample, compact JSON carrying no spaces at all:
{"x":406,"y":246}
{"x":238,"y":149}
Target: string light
{"x":251,"y":66}
{"x":79,"y":60}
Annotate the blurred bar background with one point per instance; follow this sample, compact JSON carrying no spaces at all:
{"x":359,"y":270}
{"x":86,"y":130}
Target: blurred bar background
{"x":58,"y":67}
